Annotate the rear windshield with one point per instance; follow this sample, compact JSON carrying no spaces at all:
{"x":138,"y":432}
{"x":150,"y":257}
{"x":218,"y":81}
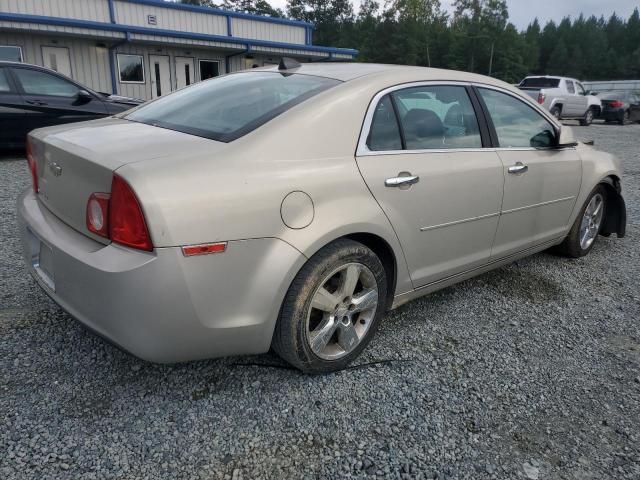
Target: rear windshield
{"x":228,"y":107}
{"x":622,"y":95}
{"x":540,"y":82}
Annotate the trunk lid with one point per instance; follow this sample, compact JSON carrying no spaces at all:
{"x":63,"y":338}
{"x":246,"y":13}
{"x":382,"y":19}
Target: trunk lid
{"x":74,"y":161}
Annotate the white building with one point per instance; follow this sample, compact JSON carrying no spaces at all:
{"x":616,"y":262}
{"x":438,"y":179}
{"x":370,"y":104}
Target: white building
{"x":146,"y":48}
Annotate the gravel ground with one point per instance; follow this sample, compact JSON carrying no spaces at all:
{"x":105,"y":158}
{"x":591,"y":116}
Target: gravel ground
{"x":531,"y":371}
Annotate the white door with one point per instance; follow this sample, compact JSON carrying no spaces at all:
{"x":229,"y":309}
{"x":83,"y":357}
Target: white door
{"x":184,"y":72}
{"x":58,"y":59}
{"x":160,"y":75}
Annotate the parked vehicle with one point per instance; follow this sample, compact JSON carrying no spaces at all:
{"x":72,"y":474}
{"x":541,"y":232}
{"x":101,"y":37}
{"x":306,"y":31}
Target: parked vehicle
{"x":565,"y":98}
{"x":291,"y":206}
{"x":622,"y":107}
{"x":34,"y":97}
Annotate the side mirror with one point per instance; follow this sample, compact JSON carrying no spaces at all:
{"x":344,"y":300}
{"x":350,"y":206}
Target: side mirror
{"x":82,"y":97}
{"x":566,"y":138}
{"x":544,"y":139}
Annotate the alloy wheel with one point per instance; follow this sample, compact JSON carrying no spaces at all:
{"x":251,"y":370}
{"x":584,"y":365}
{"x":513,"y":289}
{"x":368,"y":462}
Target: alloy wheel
{"x":342,"y":310}
{"x":591,"y":221}
{"x":589,"y":117}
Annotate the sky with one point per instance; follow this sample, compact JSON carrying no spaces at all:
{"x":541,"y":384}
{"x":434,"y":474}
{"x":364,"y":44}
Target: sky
{"x":522,"y":12}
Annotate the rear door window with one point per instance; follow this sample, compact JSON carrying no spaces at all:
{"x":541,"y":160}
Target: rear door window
{"x":437,"y":117}
{"x":613,"y":96}
{"x":570,"y":87}
{"x":228,"y":107}
{"x":385,"y":132}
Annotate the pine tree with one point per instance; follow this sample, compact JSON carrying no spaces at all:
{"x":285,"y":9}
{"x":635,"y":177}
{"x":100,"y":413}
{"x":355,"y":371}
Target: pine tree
{"x":418,"y":32}
{"x":329,"y":17}
{"x":559,"y":59}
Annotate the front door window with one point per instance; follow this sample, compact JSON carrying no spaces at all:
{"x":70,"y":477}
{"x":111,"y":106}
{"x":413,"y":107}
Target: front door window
{"x":517,"y":124}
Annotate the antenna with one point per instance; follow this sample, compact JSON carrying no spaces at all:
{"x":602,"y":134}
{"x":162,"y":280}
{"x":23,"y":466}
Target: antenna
{"x":287,"y":63}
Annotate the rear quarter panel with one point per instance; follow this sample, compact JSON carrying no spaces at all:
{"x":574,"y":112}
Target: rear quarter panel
{"x":237,"y":193}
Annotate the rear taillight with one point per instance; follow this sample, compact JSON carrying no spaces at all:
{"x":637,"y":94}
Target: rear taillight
{"x":32,"y":166}
{"x":126,"y":220}
{"x":616,"y":104}
{"x":118,"y":216}
{"x":541,"y":98}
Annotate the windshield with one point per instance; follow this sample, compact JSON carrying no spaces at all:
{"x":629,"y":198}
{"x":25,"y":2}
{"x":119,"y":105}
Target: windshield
{"x":228,"y":107}
{"x":540,"y":82}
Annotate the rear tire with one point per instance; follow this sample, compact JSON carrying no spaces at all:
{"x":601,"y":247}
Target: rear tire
{"x":332,"y":308}
{"x":625,"y":118}
{"x":556,"y":112}
{"x":588,"y":118}
{"x":586,"y":228}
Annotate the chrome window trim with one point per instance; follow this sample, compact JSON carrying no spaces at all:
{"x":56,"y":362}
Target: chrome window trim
{"x":527,"y":101}
{"x":363,"y":150}
{"x":371,"y":153}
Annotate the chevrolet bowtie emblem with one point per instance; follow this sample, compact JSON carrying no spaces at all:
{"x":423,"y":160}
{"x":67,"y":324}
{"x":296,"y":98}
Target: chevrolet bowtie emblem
{"x":55,"y":168}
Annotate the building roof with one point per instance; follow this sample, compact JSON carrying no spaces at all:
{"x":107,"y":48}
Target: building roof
{"x":125,"y":18}
{"x":220,"y":11}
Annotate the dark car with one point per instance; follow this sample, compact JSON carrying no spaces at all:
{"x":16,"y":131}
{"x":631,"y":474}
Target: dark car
{"x":622,"y":107}
{"x":33,"y":97}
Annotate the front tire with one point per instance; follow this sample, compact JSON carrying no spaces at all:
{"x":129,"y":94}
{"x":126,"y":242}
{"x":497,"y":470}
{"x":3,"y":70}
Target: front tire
{"x":588,"y":118}
{"x":587,"y":226}
{"x":332,"y":308}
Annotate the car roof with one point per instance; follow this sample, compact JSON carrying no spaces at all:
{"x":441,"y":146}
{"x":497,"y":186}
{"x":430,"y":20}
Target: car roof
{"x":347,"y":71}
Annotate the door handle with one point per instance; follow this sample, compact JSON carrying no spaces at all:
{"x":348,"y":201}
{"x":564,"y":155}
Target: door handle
{"x":36,"y":102}
{"x":399,"y":181}
{"x":518,"y":168}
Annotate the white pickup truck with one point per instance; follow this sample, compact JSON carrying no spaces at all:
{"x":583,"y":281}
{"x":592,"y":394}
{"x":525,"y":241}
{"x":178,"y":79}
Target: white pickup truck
{"x":564,"y":97}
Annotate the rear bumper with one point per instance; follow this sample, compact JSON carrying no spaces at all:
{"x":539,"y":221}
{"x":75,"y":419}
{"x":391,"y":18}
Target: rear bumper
{"x":161,"y":306}
{"x":611,"y":115}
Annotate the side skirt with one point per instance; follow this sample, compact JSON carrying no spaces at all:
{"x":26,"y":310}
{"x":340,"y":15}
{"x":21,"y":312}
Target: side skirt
{"x":403,"y":298}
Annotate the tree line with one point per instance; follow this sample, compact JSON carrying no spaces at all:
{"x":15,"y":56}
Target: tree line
{"x":477,"y":37}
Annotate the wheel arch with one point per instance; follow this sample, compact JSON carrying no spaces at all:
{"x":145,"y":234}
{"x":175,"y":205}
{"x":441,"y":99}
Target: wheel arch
{"x":615,"y":220}
{"x":556,"y":104}
{"x":387,"y":256}
{"x":390,"y":255}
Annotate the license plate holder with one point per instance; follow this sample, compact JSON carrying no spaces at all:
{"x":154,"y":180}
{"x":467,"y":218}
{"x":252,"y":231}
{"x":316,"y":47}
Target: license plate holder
{"x":42,"y":260}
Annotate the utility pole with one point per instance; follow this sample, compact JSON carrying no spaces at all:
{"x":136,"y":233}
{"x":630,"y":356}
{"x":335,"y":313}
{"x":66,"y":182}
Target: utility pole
{"x":491,"y":57}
